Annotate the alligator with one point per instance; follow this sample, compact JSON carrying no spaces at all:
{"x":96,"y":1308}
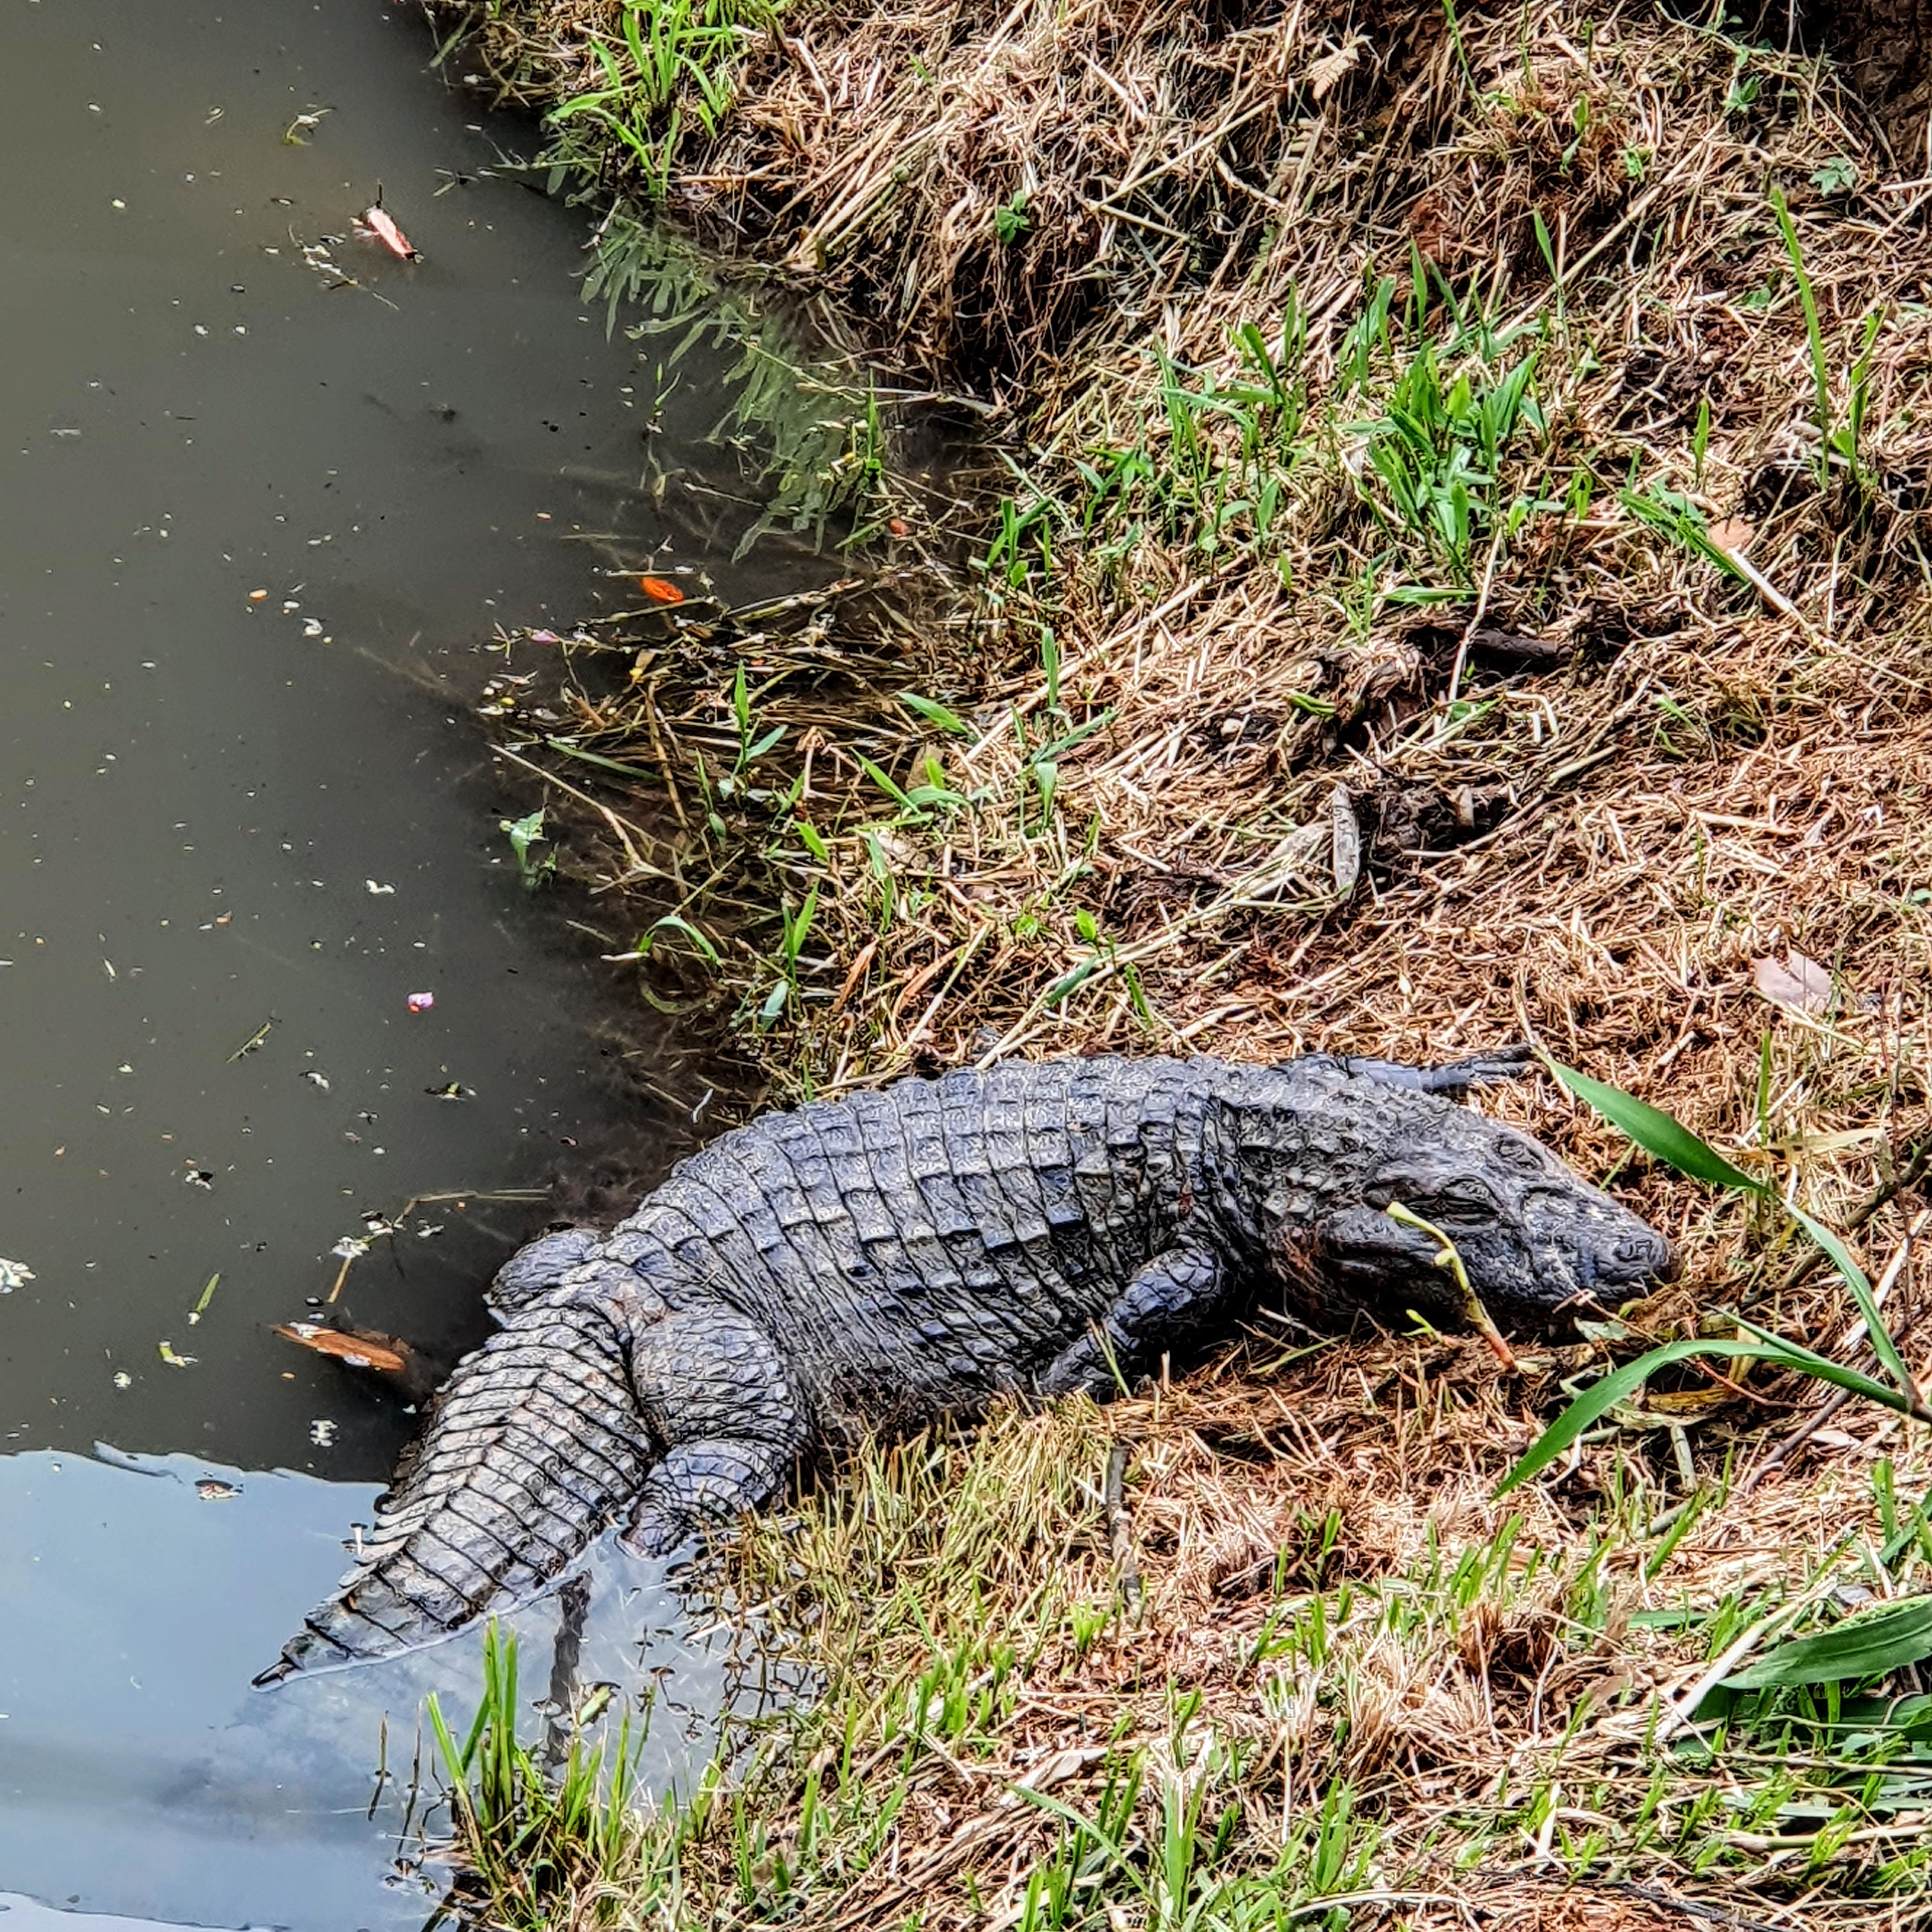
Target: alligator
{"x":878,"y":1262}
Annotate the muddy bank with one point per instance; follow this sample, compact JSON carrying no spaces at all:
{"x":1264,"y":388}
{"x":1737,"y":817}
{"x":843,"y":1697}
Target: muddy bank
{"x":282,"y":1037}
{"x":1428,"y":417}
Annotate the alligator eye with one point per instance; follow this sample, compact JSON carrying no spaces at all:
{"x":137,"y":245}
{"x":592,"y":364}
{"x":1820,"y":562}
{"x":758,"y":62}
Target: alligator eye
{"x":1461,"y":1211}
{"x":1519,"y":1155}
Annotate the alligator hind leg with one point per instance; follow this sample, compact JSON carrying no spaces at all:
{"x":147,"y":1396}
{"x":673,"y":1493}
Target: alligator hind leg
{"x":1169,"y":1300}
{"x":711,"y":1481}
{"x":718,"y":1396}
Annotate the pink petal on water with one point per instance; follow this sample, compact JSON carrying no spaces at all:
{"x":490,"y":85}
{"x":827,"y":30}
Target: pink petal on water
{"x":421,"y":1003}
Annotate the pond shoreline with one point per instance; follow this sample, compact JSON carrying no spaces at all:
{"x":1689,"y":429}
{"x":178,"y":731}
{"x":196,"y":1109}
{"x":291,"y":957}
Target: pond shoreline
{"x":1456,"y":578}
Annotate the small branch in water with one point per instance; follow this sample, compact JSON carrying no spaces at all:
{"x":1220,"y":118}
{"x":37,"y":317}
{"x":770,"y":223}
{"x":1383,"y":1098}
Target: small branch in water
{"x":352,"y":1249}
{"x":253,"y":1040}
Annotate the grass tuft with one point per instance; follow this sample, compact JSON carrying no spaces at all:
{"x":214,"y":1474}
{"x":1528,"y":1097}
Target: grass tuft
{"x":1355,"y":1682}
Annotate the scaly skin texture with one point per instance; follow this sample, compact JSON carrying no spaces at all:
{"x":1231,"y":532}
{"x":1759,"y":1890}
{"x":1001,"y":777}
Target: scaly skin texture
{"x":878,"y":1261}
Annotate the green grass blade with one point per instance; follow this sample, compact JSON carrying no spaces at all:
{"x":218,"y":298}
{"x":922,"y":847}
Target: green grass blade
{"x":1762,"y":1346}
{"x":672,"y":922}
{"x":885,"y":785}
{"x":1870,"y":1644}
{"x":1840,"y":1256}
{"x":1604,"y":1396}
{"x":1808,"y":1361}
{"x":934,"y":712}
{"x":1656,"y":1133}
{"x":1670,"y":1141}
{"x":1814,"y":337}
{"x":597,"y":758}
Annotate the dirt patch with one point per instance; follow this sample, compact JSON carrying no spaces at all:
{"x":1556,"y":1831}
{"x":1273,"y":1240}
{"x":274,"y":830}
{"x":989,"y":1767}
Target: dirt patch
{"x":1885,"y":49}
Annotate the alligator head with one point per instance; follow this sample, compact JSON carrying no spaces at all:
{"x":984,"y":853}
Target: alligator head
{"x":1538,"y":1244}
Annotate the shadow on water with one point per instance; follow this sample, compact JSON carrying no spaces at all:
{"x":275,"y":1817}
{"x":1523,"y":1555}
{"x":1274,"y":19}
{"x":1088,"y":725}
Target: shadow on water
{"x":254,"y":521}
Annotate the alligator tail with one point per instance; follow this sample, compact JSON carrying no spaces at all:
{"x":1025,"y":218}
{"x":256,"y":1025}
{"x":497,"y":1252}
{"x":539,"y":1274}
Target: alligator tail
{"x":533,"y":1448}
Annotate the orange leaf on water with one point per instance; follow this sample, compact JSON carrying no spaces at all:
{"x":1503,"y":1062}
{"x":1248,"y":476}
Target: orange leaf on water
{"x":660,"y":590}
{"x":359,"y":1352}
{"x":381,"y":224}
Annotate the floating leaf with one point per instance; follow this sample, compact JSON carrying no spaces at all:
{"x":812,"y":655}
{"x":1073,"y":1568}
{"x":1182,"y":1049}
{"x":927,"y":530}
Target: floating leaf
{"x":381,"y":224}
{"x":200,"y":1308}
{"x":253,"y":1040}
{"x":359,"y":1352}
{"x":660,"y":590}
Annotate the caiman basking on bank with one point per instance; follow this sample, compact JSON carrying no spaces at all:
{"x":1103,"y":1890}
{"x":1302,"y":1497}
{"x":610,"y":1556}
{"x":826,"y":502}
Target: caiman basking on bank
{"x":876,"y":1262}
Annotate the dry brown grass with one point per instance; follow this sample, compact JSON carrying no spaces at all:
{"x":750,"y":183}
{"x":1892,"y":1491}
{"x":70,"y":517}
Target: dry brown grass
{"x":870,"y":149}
{"x":1305,"y":1617}
{"x":1690,"y":777}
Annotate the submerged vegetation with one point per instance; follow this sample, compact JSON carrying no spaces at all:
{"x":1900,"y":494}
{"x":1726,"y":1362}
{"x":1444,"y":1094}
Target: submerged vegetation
{"x":1445,"y":563}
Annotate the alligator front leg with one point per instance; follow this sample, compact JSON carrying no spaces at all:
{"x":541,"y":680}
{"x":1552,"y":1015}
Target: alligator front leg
{"x":1170,"y":1299}
{"x":718,"y":1396}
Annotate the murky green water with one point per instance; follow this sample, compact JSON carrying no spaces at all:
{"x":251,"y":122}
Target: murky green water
{"x":222,"y":810}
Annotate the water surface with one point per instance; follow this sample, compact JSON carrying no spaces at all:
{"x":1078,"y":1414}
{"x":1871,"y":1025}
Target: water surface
{"x":253,"y":522}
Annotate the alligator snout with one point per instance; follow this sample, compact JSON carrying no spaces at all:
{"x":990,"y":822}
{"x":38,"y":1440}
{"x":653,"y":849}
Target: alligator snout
{"x":1611,"y":1247}
{"x":1645,"y":1257}
{"x":1605,"y":1253}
